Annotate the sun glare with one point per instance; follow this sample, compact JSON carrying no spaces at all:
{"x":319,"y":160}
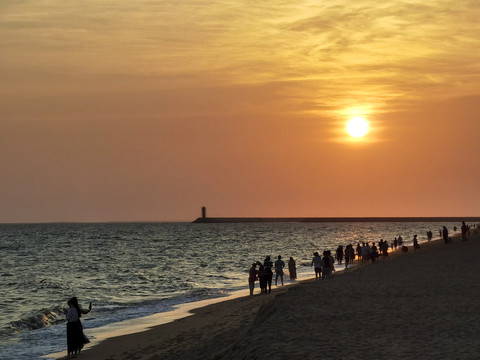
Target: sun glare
{"x":357,"y":127}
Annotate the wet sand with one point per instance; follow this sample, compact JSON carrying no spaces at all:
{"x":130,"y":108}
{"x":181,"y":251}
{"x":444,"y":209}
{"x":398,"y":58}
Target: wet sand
{"x":415,"y":305}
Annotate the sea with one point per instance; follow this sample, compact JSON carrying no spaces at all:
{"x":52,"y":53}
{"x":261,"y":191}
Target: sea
{"x":134,"y":270}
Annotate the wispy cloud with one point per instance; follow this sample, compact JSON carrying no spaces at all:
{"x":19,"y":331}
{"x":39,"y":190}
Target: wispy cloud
{"x":334,"y":54}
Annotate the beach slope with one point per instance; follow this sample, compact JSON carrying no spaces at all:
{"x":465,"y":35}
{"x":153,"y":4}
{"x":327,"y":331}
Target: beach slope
{"x":415,"y":305}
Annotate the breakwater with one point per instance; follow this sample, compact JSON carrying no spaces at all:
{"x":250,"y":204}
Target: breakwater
{"x":231,"y":220}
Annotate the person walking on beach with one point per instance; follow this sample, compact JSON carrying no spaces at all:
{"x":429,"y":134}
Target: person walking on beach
{"x":292,"y":268}
{"x":445,"y":235}
{"x":352,"y":253}
{"x":415,"y":243}
{"x":253,"y":276}
{"x":339,"y":254}
{"x":464,"y":231}
{"x":365,"y":253}
{"x":268,"y":265}
{"x":373,"y":253}
{"x":262,"y":277}
{"x":381,"y":247}
{"x":317,"y":264}
{"x":384,"y":248}
{"x":75,"y":336}
{"x":279,"y":265}
{"x":327,"y":264}
{"x":359,"y":251}
{"x":349,"y":255}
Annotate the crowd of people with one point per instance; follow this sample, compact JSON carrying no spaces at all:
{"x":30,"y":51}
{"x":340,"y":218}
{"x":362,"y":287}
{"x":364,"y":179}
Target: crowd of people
{"x":264,"y":274}
{"x":324,"y":266}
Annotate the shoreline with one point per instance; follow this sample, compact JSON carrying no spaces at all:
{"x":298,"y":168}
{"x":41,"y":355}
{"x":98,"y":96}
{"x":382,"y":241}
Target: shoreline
{"x":233,"y":328}
{"x":180,"y":311}
{"x":135,"y":328}
{"x":139,"y":325}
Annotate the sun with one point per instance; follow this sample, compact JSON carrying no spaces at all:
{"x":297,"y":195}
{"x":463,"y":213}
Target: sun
{"x":357,"y":126}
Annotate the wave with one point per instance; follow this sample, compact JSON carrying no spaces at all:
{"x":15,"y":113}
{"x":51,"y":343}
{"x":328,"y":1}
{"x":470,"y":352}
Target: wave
{"x":203,"y":293}
{"x":44,"y":318}
{"x":56,"y":315}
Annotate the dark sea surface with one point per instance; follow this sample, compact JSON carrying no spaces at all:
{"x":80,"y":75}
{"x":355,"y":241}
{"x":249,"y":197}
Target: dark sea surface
{"x":132,"y":270}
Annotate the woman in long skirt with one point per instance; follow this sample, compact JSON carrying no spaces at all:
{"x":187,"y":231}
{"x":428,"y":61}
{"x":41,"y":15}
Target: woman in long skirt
{"x":75,"y":336}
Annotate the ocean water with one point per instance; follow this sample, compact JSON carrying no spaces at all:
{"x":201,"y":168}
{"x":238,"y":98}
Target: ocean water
{"x":132,"y":270}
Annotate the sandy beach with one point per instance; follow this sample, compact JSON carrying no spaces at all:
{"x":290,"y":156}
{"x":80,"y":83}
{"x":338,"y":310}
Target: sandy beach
{"x":415,"y":305}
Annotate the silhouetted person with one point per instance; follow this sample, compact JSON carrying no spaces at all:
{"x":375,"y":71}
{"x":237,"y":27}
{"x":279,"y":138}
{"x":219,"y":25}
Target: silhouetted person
{"x":75,"y":336}
{"x":373,"y":253}
{"x":328,"y":263}
{"x":365,"y":253}
{"x":339,"y":254}
{"x":262,"y":277}
{"x":445,"y":235}
{"x":252,"y":277}
{"x":317,"y":264}
{"x":349,"y":255}
{"x":429,"y":235}
{"x":415,"y":243}
{"x":352,"y":253}
{"x":268,"y":264}
{"x":400,"y":240}
{"x":292,"y":268}
{"x":359,"y":251}
{"x":383,"y":247}
{"x":464,"y":231}
{"x":279,"y":265}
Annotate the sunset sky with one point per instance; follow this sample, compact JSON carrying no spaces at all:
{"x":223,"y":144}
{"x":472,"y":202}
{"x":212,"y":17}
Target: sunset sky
{"x":148,"y":110}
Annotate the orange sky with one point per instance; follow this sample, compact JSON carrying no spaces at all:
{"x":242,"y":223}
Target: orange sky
{"x":149,"y":110}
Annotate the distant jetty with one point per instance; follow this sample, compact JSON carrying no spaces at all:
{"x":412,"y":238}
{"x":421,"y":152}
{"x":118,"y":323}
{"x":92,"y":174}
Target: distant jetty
{"x":231,"y":220}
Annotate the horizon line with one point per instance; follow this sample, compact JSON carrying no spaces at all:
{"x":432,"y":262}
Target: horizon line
{"x":261,"y":219}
